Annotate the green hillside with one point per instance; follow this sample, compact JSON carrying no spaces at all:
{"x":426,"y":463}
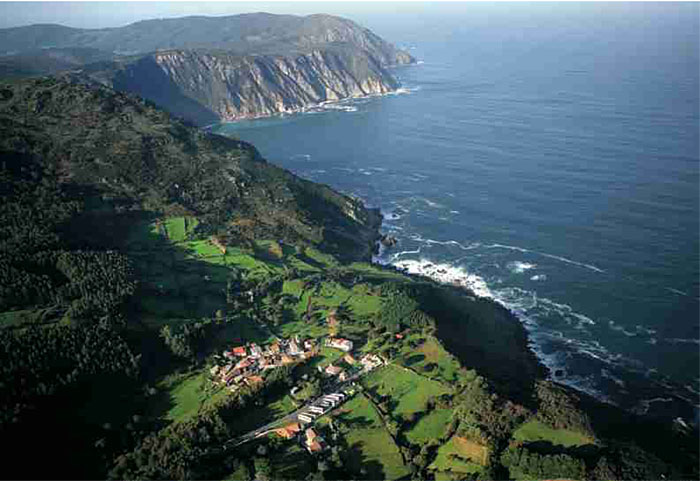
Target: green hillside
{"x":136,"y":250}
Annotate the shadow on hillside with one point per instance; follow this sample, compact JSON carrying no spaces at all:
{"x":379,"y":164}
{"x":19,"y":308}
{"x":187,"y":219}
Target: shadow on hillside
{"x":356,"y":461}
{"x":147,"y":79}
{"x":586,"y":451}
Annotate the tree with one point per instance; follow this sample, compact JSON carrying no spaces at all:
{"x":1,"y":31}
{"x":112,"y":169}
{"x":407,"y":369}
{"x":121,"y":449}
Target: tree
{"x":263,"y":469}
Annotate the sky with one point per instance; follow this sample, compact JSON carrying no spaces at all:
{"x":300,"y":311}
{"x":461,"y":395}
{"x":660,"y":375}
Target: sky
{"x":115,"y":14}
{"x":396,"y":21}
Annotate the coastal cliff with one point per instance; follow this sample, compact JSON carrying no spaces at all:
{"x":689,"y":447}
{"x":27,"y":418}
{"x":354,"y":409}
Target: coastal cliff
{"x":212,"y":69}
{"x":231,"y":87}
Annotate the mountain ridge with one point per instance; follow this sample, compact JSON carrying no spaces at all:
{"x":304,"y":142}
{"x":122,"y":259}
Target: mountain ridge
{"x":210,"y":69}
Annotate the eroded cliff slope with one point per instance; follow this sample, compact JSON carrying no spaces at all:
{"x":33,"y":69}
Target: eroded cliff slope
{"x":223,"y":68}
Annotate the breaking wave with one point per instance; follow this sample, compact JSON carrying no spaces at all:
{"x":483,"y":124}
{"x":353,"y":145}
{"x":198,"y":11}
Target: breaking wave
{"x":518,"y":267}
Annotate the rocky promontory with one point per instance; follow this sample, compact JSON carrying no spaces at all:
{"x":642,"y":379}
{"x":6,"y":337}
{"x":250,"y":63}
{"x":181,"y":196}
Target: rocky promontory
{"x":217,"y":68}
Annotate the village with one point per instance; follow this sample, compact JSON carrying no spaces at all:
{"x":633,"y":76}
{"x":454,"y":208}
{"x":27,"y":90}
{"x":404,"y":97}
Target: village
{"x":243,"y":365}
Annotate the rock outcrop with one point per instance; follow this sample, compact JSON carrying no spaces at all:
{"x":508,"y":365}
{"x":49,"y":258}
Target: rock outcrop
{"x":234,"y":87}
{"x":223,"y":68}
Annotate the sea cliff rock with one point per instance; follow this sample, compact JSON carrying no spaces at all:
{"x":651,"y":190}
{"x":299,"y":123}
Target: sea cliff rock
{"x":211,"y":69}
{"x":233,"y":87}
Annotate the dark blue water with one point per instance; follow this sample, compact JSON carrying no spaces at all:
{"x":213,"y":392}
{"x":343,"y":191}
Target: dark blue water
{"x":551,"y":162}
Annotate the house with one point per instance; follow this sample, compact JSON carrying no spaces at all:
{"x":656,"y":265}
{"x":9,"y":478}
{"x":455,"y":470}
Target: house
{"x":252,"y":380}
{"x":214,"y":370}
{"x":370,"y":361}
{"x":294,"y":349}
{"x":218,"y":243}
{"x":314,"y":442}
{"x":287,"y":359}
{"x":289,"y":431}
{"x":275,"y":348}
{"x":255,"y":351}
{"x":240,"y":351}
{"x":349,"y":359}
{"x":339,"y":343}
{"x":343,"y":376}
{"x":310,"y":435}
{"x":305,"y":418}
{"x":228,"y":378}
{"x":229,"y":355}
{"x":244,"y":364}
{"x":314,"y":447}
{"x":308,"y":344}
{"x":332,"y":370}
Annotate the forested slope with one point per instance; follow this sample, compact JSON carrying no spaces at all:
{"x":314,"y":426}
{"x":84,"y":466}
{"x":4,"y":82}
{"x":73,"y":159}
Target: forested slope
{"x":135,"y":249}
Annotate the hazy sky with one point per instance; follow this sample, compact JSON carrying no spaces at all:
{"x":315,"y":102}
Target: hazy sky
{"x":114,"y":14}
{"x":397,"y":21}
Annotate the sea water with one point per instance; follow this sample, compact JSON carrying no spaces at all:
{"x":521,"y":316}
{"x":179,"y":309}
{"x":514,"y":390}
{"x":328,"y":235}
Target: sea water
{"x":546,"y":157}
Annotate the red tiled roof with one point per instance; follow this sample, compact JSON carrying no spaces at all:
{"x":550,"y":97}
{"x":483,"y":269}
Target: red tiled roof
{"x":255,"y":379}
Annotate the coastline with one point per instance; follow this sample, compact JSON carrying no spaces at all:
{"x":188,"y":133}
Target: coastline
{"x":513,"y":369}
{"x":318,"y":107}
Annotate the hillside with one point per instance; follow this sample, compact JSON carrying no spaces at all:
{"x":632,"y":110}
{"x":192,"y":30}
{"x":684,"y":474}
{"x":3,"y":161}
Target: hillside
{"x":131,"y":156}
{"x":169,"y":292}
{"x":208,"y":69}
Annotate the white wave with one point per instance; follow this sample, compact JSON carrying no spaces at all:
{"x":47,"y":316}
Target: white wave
{"x":606,"y":374}
{"x":448,"y":274}
{"x":301,"y":156}
{"x":402,"y":253}
{"x":420,"y":62}
{"x":519,"y":267}
{"x":676,"y":291}
{"x":645,"y":330}
{"x":432,"y":203}
{"x":619,"y":328}
{"x":390,"y":216}
{"x":565,"y":311}
{"x":539,"y":277}
{"x":643,"y":406}
{"x":454,"y":212}
{"x":419,"y":238}
{"x":551,"y":256}
{"x":676,"y":340}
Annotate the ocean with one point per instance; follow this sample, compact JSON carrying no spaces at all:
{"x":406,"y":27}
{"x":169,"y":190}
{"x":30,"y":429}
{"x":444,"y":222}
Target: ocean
{"x":546,"y":156}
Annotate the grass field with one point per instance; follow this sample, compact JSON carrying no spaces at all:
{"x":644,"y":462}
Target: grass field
{"x":536,"y":431}
{"x":188,"y":393}
{"x":452,"y":456}
{"x":240,"y":474}
{"x":409,"y":390}
{"x":11,"y":319}
{"x":431,"y":352}
{"x":370,"y":448}
{"x":429,"y":427}
{"x":291,"y":461}
{"x":373,"y":272}
{"x":260,"y":415}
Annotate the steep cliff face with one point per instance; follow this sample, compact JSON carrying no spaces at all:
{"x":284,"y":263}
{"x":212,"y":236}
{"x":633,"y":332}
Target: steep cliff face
{"x":236,"y":87}
{"x":208,"y":69}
